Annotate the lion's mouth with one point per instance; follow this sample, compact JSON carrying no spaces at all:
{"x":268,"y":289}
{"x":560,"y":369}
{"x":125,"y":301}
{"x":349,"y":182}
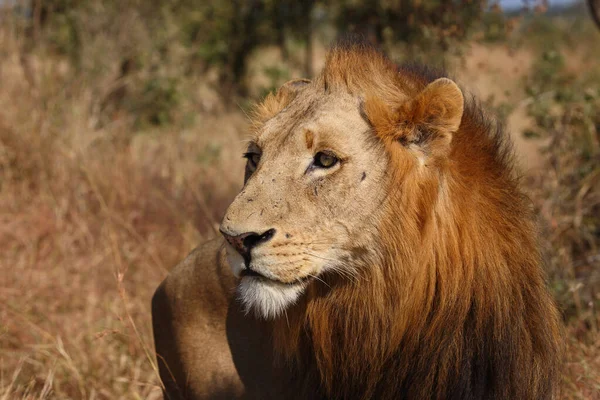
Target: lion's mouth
{"x":251,"y":272}
{"x":247,"y":272}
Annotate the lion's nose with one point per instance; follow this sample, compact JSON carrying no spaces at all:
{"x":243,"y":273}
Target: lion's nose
{"x":245,"y":242}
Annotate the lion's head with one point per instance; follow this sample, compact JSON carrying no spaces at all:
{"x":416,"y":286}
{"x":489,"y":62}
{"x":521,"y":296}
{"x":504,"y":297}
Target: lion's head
{"x":320,"y":174}
{"x":381,"y":213}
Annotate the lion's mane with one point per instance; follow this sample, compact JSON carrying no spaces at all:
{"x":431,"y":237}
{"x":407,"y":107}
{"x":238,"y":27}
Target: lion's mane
{"x":453,"y":304}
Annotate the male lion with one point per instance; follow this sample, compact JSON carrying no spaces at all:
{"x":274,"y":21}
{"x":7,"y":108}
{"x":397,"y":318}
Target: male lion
{"x":380,"y":249}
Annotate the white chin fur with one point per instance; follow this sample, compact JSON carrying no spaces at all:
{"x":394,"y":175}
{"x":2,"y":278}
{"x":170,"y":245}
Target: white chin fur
{"x":266,"y":298}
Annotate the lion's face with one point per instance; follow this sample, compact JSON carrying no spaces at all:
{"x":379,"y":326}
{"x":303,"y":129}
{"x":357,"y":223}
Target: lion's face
{"x":319,"y":173}
{"x":310,"y":203}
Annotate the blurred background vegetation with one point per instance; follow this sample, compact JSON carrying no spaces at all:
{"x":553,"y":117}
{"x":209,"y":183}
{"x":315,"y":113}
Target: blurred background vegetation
{"x":121,"y":132}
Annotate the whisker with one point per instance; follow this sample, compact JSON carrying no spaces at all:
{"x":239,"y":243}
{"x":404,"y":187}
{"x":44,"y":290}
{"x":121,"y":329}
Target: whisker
{"x":321,"y":257}
{"x":347,"y":273}
{"x":286,"y":317}
{"x":319,"y":279}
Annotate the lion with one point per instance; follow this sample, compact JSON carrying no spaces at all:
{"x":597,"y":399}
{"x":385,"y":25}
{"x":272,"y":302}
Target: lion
{"x":381,"y":248}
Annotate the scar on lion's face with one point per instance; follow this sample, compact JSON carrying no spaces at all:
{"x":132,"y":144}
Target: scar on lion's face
{"x":309,"y":139}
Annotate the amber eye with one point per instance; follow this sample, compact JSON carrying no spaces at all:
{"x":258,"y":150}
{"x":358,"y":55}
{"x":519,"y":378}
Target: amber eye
{"x":253,"y":159}
{"x":325,"y":160}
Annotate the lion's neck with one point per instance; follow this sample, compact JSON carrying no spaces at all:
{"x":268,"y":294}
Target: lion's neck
{"x":350,"y":331}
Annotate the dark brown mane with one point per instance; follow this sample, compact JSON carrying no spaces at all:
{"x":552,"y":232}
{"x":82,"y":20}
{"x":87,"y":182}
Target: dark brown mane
{"x":452,"y":302}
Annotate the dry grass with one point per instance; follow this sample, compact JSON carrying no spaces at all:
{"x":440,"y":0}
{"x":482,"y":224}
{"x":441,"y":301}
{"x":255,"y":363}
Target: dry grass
{"x":90,"y":222}
{"x":93,"y":216}
{"x":567,"y":198}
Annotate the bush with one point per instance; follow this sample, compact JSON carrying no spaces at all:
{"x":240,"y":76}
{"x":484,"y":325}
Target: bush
{"x":565,"y":113}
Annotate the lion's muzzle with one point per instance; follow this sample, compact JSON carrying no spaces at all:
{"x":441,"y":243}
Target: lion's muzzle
{"x":245,"y":242}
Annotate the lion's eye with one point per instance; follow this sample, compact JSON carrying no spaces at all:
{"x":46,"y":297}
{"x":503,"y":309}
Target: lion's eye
{"x":325,"y":160}
{"x":253,"y":159}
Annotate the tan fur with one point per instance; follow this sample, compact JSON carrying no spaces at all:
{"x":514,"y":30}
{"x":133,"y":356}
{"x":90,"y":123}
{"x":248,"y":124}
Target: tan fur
{"x":418,"y":250}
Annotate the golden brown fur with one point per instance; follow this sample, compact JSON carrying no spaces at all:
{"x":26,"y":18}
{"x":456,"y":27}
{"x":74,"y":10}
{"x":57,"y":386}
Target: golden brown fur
{"x":451,"y":302}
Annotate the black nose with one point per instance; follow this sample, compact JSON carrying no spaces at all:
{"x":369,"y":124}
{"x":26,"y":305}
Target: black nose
{"x":245,"y":242}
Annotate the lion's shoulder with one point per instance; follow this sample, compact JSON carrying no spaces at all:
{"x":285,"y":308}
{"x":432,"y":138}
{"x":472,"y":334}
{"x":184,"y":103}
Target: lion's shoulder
{"x":189,"y":310}
{"x":200,"y":274}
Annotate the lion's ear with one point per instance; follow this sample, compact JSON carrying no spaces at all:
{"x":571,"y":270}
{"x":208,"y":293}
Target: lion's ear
{"x":275,"y":102}
{"x":429,"y":119}
{"x":439,"y":106}
{"x":433,"y":115}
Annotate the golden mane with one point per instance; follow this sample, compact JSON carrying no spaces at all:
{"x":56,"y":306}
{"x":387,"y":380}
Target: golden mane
{"x":453,"y":303}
